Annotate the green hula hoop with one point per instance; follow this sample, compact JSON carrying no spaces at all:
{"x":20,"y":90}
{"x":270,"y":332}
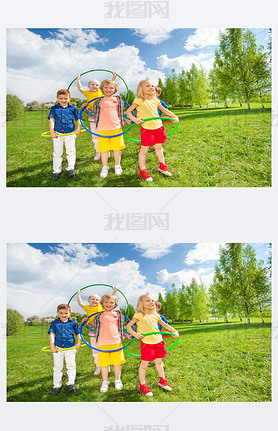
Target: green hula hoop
{"x":102,"y":284}
{"x":103,"y":70}
{"x":47,"y":134}
{"x":148,"y":119}
{"x":151,"y":333}
{"x":47,"y":348}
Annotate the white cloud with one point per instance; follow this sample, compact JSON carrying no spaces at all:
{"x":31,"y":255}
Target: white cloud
{"x":38,"y":282}
{"x":203,"y":252}
{"x":185,"y":61}
{"x":202,"y":38}
{"x":153,"y":36}
{"x":184,"y":277}
{"x":37,"y":68}
{"x":153,"y":251}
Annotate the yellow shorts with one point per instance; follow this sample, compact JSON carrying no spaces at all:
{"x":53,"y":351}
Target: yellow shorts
{"x":114,"y":358}
{"x":107,"y":144}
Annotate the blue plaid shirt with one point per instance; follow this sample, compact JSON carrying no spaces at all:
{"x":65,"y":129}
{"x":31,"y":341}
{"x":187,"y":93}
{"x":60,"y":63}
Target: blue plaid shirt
{"x":64,"y":118}
{"x":64,"y":337}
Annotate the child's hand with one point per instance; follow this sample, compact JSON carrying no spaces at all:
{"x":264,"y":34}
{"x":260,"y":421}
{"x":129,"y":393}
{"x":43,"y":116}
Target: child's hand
{"x":79,"y":77}
{"x":138,"y":335}
{"x":53,"y":349}
{"x":114,"y":75}
{"x":176,"y":119}
{"x":53,"y":134}
{"x":78,"y":131}
{"x":138,"y":121}
{"x":129,"y":336}
{"x":176,"y":334}
{"x":77,"y":345}
{"x":79,"y":291}
{"x":85,"y":319}
{"x":84,"y":105}
{"x":129,"y":122}
{"x":114,"y":290}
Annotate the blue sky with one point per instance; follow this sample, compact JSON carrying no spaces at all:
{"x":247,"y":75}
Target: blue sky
{"x":40,"y":61}
{"x":40,"y":276}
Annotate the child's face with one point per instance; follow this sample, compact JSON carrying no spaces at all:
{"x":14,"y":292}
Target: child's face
{"x":93,"y":85}
{"x":109,"y":304}
{"x":148,"y":88}
{"x":63,"y":314}
{"x":93,"y":300}
{"x":63,"y":100}
{"x":108,"y":90}
{"x":148,"y":303}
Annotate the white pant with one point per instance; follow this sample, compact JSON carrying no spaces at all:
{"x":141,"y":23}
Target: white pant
{"x":93,"y":129}
{"x":58,"y":358}
{"x":58,"y":146}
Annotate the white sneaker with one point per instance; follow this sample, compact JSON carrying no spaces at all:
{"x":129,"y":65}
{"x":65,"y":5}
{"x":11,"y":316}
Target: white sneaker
{"x":118,"y":385}
{"x":118,"y":170}
{"x":97,"y":156}
{"x":104,"y":172}
{"x":104,"y":386}
{"x":97,"y":371}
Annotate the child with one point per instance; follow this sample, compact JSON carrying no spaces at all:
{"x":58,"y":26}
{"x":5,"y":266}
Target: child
{"x":158,"y":93}
{"x":110,"y":332}
{"x":61,"y":336}
{"x":94,"y":306}
{"x":109,"y":117}
{"x":93,"y":92}
{"x":61,"y":121}
{"x":158,"y":306}
{"x":152,"y":132}
{"x":153,"y":347}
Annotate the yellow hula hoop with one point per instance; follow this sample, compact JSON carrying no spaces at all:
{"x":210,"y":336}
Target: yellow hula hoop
{"x":47,"y":134}
{"x":47,"y":349}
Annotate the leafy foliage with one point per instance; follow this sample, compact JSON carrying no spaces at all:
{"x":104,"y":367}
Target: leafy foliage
{"x":15,"y":322}
{"x":14,"y":107}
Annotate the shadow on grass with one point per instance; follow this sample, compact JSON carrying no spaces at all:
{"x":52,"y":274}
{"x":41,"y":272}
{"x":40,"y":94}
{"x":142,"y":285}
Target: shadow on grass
{"x":215,"y":327}
{"x":204,"y":113}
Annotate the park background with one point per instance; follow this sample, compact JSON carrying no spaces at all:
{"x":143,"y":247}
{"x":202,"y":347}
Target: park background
{"x":218,"y":296}
{"x":217,"y":80}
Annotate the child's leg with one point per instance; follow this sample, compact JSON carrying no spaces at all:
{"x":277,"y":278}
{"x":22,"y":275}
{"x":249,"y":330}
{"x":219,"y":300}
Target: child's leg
{"x":159,"y":153}
{"x":142,"y":157}
{"x":93,"y":129}
{"x":71,"y":365}
{"x":58,"y":359}
{"x":117,"y":371}
{"x":159,"y":367}
{"x":104,"y":158}
{"x":70,"y":150}
{"x":104,"y":372}
{"x":94,"y":352}
{"x":117,"y":157}
{"x":57,"y":154}
{"x":142,"y":372}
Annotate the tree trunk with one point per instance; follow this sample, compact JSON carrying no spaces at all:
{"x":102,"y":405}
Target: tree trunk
{"x":226,"y":104}
{"x":226,"y":319}
{"x":261,"y":99}
{"x":248,"y":317}
{"x":240,"y":318}
{"x":262,"y":317}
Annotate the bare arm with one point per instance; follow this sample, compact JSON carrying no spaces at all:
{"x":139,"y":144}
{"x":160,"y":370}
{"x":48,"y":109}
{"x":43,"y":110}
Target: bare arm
{"x":114,"y":290}
{"x":114,"y":76}
{"x":79,"y":300}
{"x":52,"y":342}
{"x":79,"y":86}
{"x":51,"y":127}
{"x":169,"y":113}
{"x":78,"y":344}
{"x":129,"y":329}
{"x":131,"y":116}
{"x":78,"y":128}
{"x":169,"y":328}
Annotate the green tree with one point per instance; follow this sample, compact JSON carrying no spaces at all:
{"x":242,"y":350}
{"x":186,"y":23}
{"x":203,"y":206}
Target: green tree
{"x":170,"y":305}
{"x":131,"y":313}
{"x":15,"y":322}
{"x":170,"y":89}
{"x":14,"y":107}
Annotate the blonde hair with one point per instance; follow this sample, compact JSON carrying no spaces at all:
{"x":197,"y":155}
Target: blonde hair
{"x":96,"y":80}
{"x":140,"y":307}
{"x":109,"y":296}
{"x":94,"y":294}
{"x":107,"y":82}
{"x":139,"y":91}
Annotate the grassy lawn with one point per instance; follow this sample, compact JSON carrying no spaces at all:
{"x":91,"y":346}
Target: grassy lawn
{"x":214,"y":147}
{"x":212,"y":362}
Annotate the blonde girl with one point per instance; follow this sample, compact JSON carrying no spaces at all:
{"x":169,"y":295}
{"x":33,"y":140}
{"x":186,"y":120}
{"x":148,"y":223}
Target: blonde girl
{"x":152,"y":346}
{"x":152,"y":132}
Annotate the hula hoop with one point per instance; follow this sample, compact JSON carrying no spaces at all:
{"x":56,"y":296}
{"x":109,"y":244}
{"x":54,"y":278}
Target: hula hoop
{"x":47,"y":349}
{"x":102,"y":70}
{"x":148,"y":119}
{"x":96,"y":134}
{"x":102,"y":284}
{"x":47,"y":134}
{"x":151,"y":333}
{"x":94,"y":348}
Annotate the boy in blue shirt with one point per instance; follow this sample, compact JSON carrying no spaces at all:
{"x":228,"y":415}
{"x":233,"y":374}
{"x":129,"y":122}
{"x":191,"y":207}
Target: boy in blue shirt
{"x":61,"y":336}
{"x":61,"y":121}
{"x":158,"y":93}
{"x":158,"y":306}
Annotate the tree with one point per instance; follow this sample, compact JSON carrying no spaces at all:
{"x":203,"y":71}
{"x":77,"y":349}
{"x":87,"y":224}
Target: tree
{"x":14,"y":107}
{"x":170,"y":305}
{"x":124,"y":311}
{"x":170,"y":89}
{"x":15,"y":322}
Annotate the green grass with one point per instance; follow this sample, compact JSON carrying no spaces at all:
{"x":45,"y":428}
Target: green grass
{"x":212,"y":362}
{"x":214,"y":147}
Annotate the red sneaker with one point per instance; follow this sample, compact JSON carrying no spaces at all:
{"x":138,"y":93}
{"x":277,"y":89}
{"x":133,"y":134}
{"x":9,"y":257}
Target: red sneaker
{"x":144,"y":174}
{"x":163,"y":383}
{"x":145,"y":391}
{"x":163,"y":168}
